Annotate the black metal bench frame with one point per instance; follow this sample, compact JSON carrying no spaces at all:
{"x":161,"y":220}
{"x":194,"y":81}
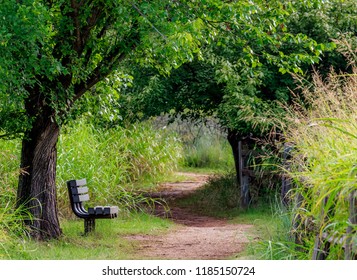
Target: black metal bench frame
{"x":78,"y":193}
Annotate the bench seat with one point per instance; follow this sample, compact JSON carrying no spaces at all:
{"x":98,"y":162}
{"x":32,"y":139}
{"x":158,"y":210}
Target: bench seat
{"x":111,"y":211}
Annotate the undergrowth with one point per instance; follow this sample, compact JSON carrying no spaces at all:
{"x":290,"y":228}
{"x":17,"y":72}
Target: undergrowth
{"x":205,"y":145}
{"x":322,"y":168}
{"x":324,"y":157}
{"x":11,"y":227}
{"x":221,"y":196}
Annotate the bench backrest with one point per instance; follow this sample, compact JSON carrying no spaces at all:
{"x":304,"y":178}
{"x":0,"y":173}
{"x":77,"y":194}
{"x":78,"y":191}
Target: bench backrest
{"x":78,"y":193}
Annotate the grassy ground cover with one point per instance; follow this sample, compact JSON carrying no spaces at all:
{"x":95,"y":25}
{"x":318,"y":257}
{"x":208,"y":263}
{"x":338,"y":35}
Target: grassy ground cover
{"x":107,"y":242}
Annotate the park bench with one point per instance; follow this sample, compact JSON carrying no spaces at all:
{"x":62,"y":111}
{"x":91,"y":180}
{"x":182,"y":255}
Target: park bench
{"x":78,"y":193}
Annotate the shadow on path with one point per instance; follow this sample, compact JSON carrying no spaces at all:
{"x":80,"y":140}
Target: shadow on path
{"x":196,"y":236}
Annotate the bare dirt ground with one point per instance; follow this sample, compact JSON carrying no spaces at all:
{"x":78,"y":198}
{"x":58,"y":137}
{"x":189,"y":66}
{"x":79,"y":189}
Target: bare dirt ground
{"x":195,"y":236}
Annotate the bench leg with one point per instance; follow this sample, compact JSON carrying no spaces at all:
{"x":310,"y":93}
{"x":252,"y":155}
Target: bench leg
{"x":89,"y":225}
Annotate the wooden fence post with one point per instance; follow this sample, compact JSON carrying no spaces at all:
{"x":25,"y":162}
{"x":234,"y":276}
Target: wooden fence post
{"x":350,"y":247}
{"x":321,"y":247}
{"x":296,"y":222}
{"x":286,"y":182}
{"x":243,"y":177}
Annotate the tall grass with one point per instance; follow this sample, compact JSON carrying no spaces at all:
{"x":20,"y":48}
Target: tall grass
{"x":277,"y":241}
{"x":209,"y":151}
{"x":218,"y":196}
{"x":325,"y":139}
{"x":114,"y":162}
{"x":205,"y":144}
{"x":11,"y":226}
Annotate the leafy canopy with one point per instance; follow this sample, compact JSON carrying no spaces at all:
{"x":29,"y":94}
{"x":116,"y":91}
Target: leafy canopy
{"x":242,"y":69}
{"x":52,"y":52}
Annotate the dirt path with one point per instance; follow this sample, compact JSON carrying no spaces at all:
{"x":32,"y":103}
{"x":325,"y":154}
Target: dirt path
{"x":196,"y":236}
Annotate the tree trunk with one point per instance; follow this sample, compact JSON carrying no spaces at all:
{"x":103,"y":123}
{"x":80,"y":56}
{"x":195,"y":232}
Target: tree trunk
{"x":240,"y":163}
{"x":233,"y":140}
{"x":37,"y":181}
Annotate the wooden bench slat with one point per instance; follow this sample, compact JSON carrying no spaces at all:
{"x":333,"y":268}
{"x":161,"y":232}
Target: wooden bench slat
{"x":98,"y":210}
{"x":77,"y":183}
{"x":80,"y":198}
{"x":80,"y":190}
{"x":104,"y":210}
{"x":81,"y":182}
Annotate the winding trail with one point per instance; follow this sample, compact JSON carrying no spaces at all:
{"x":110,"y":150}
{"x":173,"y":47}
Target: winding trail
{"x":195,"y":236}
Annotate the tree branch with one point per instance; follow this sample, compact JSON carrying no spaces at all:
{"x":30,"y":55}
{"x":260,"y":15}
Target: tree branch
{"x":78,"y":41}
{"x":12,"y":135}
{"x":96,"y":76}
{"x":83,"y":32}
{"x":151,"y":24}
{"x":114,"y":57}
{"x":91,"y":22}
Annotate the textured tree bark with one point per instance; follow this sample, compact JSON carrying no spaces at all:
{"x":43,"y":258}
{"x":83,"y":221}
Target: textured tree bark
{"x":242,"y":178}
{"x":37,"y":181}
{"x":233,"y":140}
